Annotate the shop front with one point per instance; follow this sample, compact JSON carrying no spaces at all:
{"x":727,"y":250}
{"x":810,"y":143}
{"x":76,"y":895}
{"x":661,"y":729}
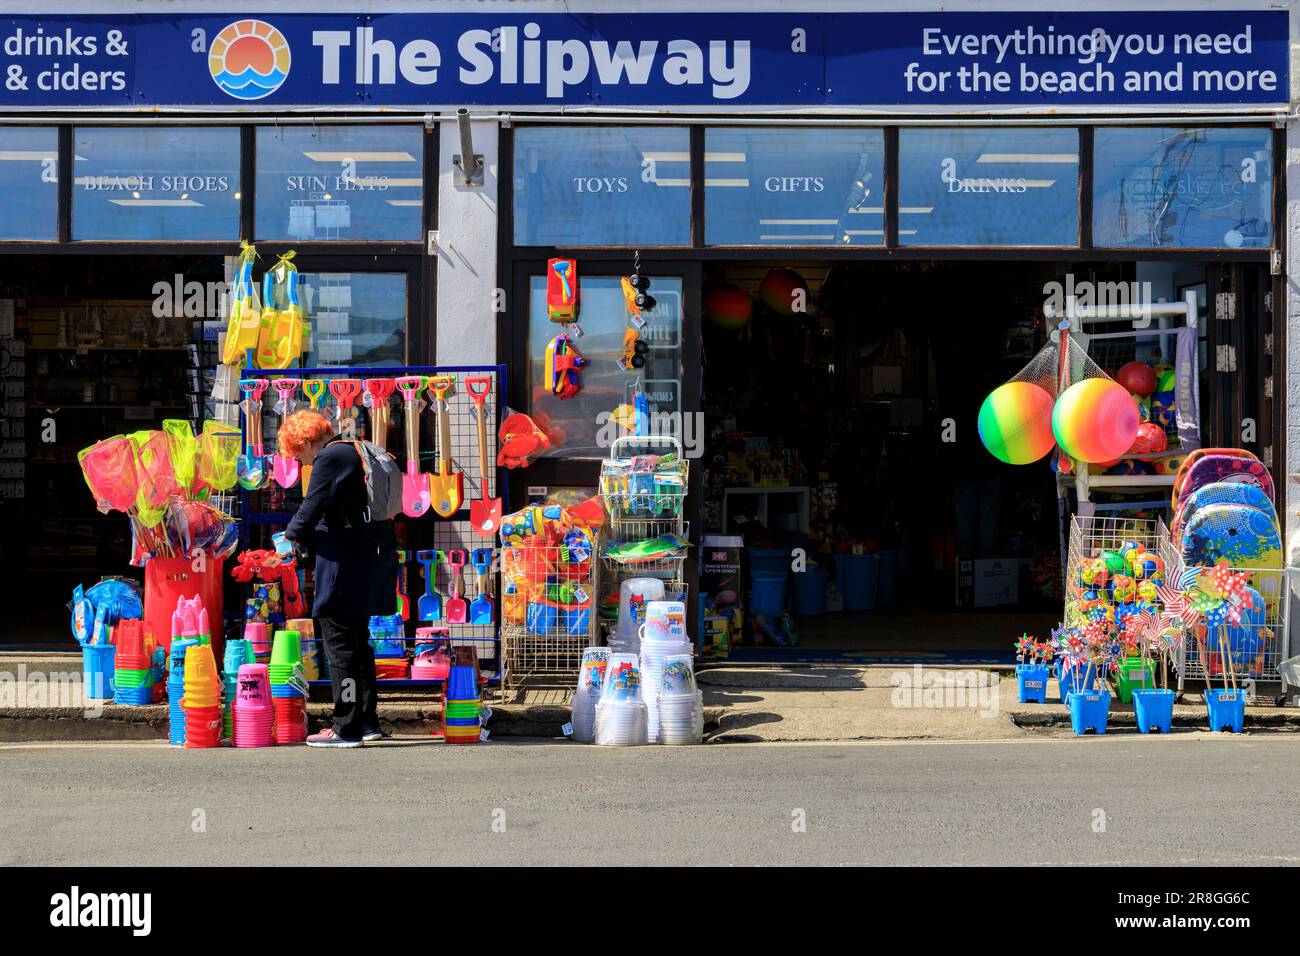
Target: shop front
{"x":850,"y":227}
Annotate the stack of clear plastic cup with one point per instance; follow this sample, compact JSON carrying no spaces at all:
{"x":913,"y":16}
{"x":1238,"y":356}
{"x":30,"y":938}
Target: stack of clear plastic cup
{"x":622,"y":718}
{"x":662,"y":636}
{"x":679,"y":702}
{"x":591,"y":675}
{"x":253,"y":712}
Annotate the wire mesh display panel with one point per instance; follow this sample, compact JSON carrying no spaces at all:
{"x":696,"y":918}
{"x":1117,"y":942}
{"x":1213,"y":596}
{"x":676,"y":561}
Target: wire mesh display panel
{"x":548,"y":613}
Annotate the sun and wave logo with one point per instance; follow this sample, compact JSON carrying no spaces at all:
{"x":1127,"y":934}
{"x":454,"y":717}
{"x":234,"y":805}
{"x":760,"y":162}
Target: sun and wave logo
{"x":249,"y":60}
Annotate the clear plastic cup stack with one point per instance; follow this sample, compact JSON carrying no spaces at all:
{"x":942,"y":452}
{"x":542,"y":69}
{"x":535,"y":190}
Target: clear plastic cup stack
{"x":591,"y":675}
{"x":622,"y":718}
{"x":680,"y":703}
{"x":663,"y":636}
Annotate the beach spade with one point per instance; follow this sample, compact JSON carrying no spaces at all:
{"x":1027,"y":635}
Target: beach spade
{"x":485,"y":513}
{"x":430,"y":604}
{"x":285,"y":470}
{"x":250,"y":467}
{"x":457,"y":609}
{"x":483,"y":608}
{"x":415,"y":484}
{"x":447,"y":486}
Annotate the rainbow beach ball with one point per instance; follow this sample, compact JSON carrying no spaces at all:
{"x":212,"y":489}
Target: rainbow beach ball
{"x":1015,"y":423}
{"x":1095,"y":420}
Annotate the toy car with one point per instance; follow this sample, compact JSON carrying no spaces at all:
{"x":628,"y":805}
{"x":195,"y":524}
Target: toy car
{"x":634,"y":351}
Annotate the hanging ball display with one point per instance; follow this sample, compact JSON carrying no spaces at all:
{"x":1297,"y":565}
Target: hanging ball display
{"x":727,"y":307}
{"x":1151,"y":438}
{"x":1095,"y":420}
{"x":1169,"y":466}
{"x":1138,"y":377}
{"x":1015,"y":423}
{"x":785,"y":292}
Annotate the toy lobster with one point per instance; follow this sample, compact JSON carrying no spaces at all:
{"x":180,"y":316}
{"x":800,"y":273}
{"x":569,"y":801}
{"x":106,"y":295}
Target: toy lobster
{"x":521,"y":441}
{"x":270,"y":567}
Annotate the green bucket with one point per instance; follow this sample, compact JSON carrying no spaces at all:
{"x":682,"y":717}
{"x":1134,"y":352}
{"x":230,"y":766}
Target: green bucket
{"x":1130,"y":677}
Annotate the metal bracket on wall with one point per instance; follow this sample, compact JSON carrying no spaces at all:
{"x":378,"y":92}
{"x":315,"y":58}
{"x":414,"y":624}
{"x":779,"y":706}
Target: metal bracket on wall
{"x":1225,"y":359}
{"x":1275,"y":261}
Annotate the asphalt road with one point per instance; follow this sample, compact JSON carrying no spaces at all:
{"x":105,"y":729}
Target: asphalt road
{"x":1184,"y":799}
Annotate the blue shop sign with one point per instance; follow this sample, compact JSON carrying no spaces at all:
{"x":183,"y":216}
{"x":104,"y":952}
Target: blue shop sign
{"x":943,"y":59}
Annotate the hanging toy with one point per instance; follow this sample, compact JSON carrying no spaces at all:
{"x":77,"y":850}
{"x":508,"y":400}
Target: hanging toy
{"x":562,"y":290}
{"x":245,"y":311}
{"x":280,"y":336}
{"x":521,"y":441}
{"x":563,"y":362}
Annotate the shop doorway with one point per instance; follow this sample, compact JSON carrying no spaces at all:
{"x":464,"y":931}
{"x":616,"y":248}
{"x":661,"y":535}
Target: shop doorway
{"x":848,"y":427}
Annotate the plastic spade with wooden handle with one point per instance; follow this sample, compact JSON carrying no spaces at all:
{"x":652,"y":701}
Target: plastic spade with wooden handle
{"x":430,"y":604}
{"x":484,"y":514}
{"x":345,"y":391}
{"x":457,"y":609}
{"x":283,"y":469}
{"x":379,"y":391}
{"x":415,"y":485}
{"x":447,"y":485}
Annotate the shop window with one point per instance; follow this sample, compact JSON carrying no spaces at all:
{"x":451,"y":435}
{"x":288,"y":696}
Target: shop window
{"x":357,"y":318}
{"x":593,"y":186}
{"x":29,"y":183}
{"x":794,"y":187}
{"x":1171,"y":187}
{"x":322,"y":183}
{"x":155,"y":184}
{"x":583,"y":425}
{"x":988,"y":187}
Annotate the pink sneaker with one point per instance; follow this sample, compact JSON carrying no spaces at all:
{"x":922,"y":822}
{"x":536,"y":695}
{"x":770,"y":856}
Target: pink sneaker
{"x":327,"y":738}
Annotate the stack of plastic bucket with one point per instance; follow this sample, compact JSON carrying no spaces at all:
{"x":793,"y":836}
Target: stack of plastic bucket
{"x":133,"y":665}
{"x":662,"y":636}
{"x":176,"y":689}
{"x":769,"y":577}
{"x":288,"y":688}
{"x":237,"y":653}
{"x":253,"y":710}
{"x":680,"y":703}
{"x":97,"y":663}
{"x":311,"y":655}
{"x":810,"y":591}
{"x":591,"y":676}
{"x":432,"y":656}
{"x":256,"y":633}
{"x":460,"y":708}
{"x":622,"y":718}
{"x":202,"y":698}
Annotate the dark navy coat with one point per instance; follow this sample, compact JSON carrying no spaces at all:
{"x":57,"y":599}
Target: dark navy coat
{"x":356,"y":560}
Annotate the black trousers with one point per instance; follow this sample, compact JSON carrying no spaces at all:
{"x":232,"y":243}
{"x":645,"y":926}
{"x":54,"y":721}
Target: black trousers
{"x":352,"y":674}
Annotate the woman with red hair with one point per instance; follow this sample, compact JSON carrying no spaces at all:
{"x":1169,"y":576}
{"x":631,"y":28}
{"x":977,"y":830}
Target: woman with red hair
{"x":356,"y":570}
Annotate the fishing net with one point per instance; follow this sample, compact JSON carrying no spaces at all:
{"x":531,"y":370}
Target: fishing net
{"x":1048,"y":372}
{"x":183,"y":451}
{"x":109,"y":468}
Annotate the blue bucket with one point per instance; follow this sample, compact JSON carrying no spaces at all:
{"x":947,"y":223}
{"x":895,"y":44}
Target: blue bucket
{"x":768,"y":560}
{"x":767,"y":596}
{"x":134,"y":696}
{"x":859,"y":576}
{"x":1226,"y":710}
{"x":886,"y":578}
{"x":1031,"y":682}
{"x":97,"y":671}
{"x":810,"y":592}
{"x":175,"y":721}
{"x":1089,"y":710}
{"x":1075,"y":680}
{"x":1153,"y":709}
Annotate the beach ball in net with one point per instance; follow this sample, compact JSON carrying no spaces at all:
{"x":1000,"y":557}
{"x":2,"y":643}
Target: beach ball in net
{"x":1015,"y":423}
{"x":1095,"y":420}
{"x":727,"y":307}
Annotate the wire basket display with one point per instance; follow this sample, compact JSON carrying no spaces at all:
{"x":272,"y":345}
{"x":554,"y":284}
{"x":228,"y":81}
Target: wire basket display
{"x":1095,"y":535}
{"x":1246,"y":652}
{"x":548,"y":612}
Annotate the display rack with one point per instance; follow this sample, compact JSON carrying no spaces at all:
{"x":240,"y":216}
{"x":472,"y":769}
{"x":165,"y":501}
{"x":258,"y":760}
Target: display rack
{"x":640,"y":513}
{"x":1096,"y":344}
{"x":548,"y":613}
{"x":434,"y":531}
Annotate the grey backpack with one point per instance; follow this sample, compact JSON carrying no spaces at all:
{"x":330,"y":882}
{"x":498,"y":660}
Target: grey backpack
{"x":383,"y":481}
